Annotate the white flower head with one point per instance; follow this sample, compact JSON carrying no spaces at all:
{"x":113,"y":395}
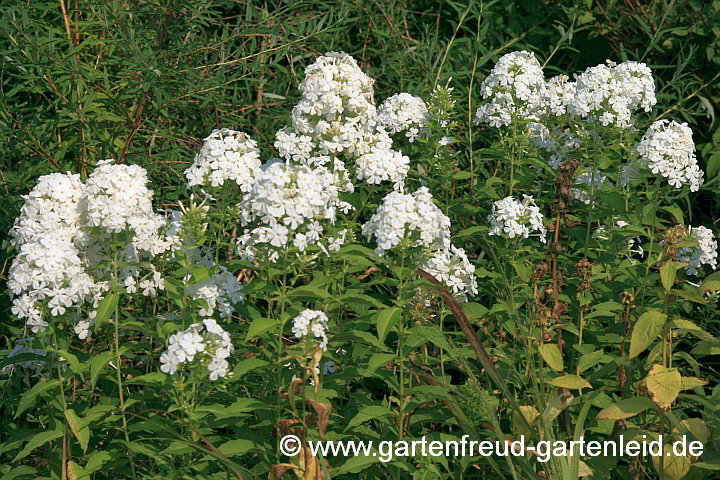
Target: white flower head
{"x":667,"y":148}
{"x":609,"y":93}
{"x":408,"y":216}
{"x":312,"y":324}
{"x":206,"y":345}
{"x":515,"y":88}
{"x":226,"y":155}
{"x":452,"y":267}
{"x":511,"y":218}
{"x":704,"y":253}
{"x":288,"y":205}
{"x":403,"y":113}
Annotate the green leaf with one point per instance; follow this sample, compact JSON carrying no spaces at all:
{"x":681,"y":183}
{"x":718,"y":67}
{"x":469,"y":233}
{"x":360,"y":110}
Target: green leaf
{"x":645,"y":331}
{"x":237,"y":447}
{"x":360,"y":299}
{"x":570,"y":381}
{"x":462,"y":175}
{"x":690,"y":295}
{"x":386,"y":320}
{"x":590,"y":360}
{"x":97,"y":460}
{"x":28,"y":399}
{"x":626,"y":408}
{"x":245,"y":366}
{"x":552,"y":356}
{"x":105,"y":309}
{"x":377,"y":360}
{"x":99,"y":362}
{"x":152,"y":379}
{"x":81,"y":432}
{"x":676,"y":212}
{"x":365,"y":414}
{"x":20,"y":358}
{"x":359,"y":463}
{"x":690,"y":327}
{"x":308,"y":293}
{"x":38,"y":440}
{"x":711,"y":283}
{"x":667,"y":275}
{"x":706,"y":347}
{"x":433,"y":335}
{"x":260,"y":326}
{"x":239,"y":407}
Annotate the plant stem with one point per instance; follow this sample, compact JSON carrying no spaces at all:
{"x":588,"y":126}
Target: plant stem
{"x":66,"y":452}
{"x":118,"y":360}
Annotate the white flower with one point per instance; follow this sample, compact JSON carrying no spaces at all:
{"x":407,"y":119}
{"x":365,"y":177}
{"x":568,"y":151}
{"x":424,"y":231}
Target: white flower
{"x":226,"y":155}
{"x":221,"y":291}
{"x":704,"y":253}
{"x":312,"y":321}
{"x":412,"y":216}
{"x":82,"y":329}
{"x":515,"y":88}
{"x":667,"y":148}
{"x":209,"y":348}
{"x":511,"y":218}
{"x":51,"y":207}
{"x":286,"y":204}
{"x":452,"y":267}
{"x":611,"y":93}
{"x":558,"y":93}
{"x":403,"y":113}
{"x":383,"y":165}
{"x":130,"y":284}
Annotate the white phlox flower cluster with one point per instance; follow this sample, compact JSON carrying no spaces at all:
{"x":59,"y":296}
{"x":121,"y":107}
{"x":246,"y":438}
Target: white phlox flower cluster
{"x":667,"y":148}
{"x":313,"y":324}
{"x":148,"y":285}
{"x":61,"y":234}
{"x":206,"y":344}
{"x":512,"y":218}
{"x":704,"y":253}
{"x":287,"y":205}
{"x":336,"y":116}
{"x":221,"y":291}
{"x":403,"y":112}
{"x":515,"y":88}
{"x":408,"y":216}
{"x":48,"y":276}
{"x":383,"y":165}
{"x":559,"y":92}
{"x":610,"y":93}
{"x":117,"y":200}
{"x":452,"y":267}
{"x":226,"y":155}
{"x":52,"y":206}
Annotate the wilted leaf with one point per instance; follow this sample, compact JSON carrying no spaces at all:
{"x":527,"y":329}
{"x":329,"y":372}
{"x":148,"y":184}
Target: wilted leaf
{"x":645,"y":331}
{"x":664,"y":384}
{"x":626,"y":408}
{"x":570,"y":381}
{"x":552,"y":356}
